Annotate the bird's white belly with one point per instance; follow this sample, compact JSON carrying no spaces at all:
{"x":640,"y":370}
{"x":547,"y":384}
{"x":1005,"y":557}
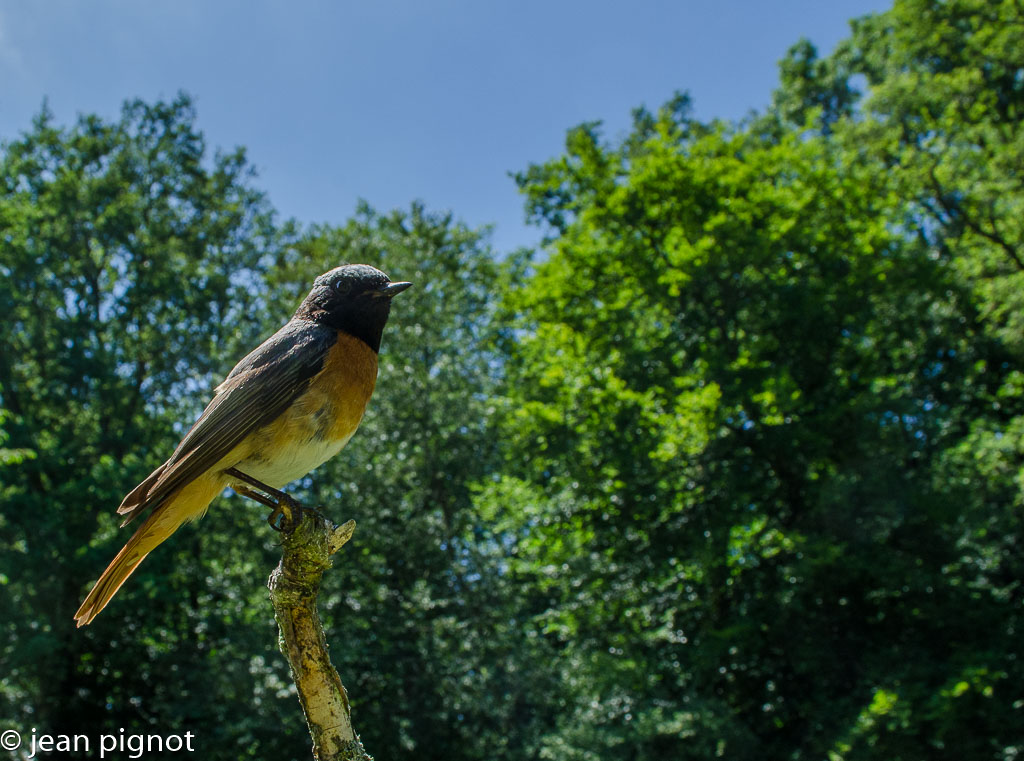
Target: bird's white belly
{"x":292,"y":462}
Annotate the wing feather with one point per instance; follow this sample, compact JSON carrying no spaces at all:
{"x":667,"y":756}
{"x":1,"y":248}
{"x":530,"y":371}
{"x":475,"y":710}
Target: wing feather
{"x":258,"y":390}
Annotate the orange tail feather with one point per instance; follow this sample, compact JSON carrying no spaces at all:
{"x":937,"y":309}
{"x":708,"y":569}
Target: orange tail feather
{"x":191,"y":502}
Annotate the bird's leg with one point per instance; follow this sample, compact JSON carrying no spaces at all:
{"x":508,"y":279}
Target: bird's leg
{"x":252,"y":494}
{"x":286,"y":510}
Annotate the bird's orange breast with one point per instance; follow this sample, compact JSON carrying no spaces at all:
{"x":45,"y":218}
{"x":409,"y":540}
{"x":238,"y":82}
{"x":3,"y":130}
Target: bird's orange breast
{"x":343,"y":387}
{"x":320,"y":421}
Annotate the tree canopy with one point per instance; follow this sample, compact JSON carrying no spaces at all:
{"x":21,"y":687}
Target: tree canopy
{"x":732,"y":467}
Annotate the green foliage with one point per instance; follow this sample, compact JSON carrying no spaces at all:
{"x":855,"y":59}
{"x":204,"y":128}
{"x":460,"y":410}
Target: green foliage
{"x":734,"y":468}
{"x":131,"y":265}
{"x":945,"y":108}
{"x":763,"y":413}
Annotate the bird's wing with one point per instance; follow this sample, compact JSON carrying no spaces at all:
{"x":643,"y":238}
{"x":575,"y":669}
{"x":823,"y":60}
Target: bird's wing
{"x":258,"y":389}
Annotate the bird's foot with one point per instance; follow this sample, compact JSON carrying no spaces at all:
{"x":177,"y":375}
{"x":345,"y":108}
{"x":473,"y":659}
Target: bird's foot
{"x":286,"y":513}
{"x":289,"y":513}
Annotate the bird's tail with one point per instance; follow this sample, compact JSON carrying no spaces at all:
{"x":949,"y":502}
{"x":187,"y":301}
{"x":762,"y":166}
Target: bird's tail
{"x":191,"y":502}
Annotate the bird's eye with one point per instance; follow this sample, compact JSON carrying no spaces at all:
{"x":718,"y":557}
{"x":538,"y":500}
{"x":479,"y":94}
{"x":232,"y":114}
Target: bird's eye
{"x":342,"y":287}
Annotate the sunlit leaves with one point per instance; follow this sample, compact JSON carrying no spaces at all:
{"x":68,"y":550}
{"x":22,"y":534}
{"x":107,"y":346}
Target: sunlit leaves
{"x":750,"y":353}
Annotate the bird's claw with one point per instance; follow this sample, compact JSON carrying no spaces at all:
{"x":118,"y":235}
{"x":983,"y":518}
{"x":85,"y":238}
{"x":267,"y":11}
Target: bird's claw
{"x":288,"y":514}
{"x":278,"y":519}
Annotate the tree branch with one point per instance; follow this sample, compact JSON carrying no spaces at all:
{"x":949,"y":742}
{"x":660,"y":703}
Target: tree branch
{"x":959,"y":212}
{"x":294,"y":586}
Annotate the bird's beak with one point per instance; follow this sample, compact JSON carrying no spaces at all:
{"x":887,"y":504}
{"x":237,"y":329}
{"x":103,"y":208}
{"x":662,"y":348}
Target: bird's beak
{"x":392,"y":289}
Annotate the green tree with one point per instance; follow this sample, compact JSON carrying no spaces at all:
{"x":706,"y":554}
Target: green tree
{"x":940,"y":119}
{"x":941,"y":114}
{"x":132,"y":266}
{"x":740,"y":374}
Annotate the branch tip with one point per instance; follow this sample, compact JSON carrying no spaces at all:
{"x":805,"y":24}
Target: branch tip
{"x":340,"y":535}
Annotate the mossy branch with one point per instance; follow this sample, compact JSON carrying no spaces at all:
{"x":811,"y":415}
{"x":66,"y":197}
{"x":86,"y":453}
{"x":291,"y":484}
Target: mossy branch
{"x":294,"y":586}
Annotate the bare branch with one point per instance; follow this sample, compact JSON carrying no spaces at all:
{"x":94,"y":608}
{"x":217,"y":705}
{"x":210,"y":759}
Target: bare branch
{"x":294,"y":586}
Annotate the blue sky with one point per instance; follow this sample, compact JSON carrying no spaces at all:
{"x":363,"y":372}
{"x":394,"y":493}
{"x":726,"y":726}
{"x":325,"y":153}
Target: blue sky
{"x":398,"y":100}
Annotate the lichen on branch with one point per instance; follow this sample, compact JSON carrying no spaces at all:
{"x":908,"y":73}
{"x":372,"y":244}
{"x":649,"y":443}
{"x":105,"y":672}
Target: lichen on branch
{"x":294,"y":587}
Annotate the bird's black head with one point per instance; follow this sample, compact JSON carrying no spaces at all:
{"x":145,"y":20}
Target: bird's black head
{"x":355,"y":298}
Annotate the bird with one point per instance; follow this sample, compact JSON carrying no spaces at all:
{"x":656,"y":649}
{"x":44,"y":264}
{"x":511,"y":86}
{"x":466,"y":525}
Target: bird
{"x":290,"y":405}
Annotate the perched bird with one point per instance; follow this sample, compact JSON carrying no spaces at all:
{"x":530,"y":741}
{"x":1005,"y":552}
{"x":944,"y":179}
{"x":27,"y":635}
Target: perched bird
{"x":289,"y":406}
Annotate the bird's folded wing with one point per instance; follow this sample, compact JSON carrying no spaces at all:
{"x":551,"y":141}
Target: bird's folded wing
{"x":258,"y":390}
